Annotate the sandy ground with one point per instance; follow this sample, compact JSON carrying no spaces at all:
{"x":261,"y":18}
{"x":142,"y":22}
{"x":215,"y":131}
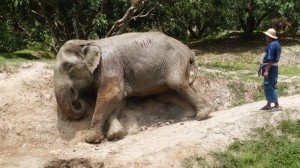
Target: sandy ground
{"x":31,"y":135}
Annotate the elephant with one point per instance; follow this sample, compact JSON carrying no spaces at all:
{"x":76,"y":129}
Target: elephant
{"x":110,"y":70}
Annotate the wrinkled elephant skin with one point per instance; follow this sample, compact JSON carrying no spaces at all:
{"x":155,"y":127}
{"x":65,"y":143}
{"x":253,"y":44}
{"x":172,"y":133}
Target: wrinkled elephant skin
{"x":109,"y":70}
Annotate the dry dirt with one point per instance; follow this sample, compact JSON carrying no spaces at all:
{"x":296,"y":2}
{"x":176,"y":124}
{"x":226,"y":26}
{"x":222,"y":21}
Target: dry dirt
{"x":31,"y":135}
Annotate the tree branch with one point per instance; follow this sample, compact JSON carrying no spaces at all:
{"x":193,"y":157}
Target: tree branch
{"x":122,"y":23}
{"x":39,"y":14}
{"x":259,"y":20}
{"x":36,"y":39}
{"x":145,"y":13}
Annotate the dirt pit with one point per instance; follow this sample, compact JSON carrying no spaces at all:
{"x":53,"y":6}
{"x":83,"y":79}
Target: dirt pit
{"x":32,"y":135}
{"x":79,"y":162}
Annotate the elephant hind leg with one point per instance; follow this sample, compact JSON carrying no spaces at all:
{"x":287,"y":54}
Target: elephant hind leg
{"x":174,"y":98}
{"x":201,"y":105}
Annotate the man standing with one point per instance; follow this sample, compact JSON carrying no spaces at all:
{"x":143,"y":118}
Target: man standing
{"x":270,"y":69}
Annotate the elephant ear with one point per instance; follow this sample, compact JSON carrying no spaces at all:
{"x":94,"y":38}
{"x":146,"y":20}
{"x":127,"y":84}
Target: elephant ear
{"x":92,"y":56}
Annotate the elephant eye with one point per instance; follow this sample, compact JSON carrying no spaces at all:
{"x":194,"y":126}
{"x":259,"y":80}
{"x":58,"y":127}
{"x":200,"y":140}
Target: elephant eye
{"x":72,"y":91}
{"x":67,"y":66}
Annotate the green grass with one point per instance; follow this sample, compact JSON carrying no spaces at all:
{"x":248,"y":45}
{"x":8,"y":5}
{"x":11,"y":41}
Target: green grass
{"x":291,"y":128}
{"x":252,"y":67}
{"x":289,"y":70}
{"x":10,"y":62}
{"x":195,"y":160}
{"x":243,"y":68}
{"x":5,"y":59}
{"x":34,"y":53}
{"x":247,"y":77}
{"x":227,"y":66}
{"x":282,"y":88}
{"x":27,"y":54}
{"x":259,"y":94}
{"x":239,"y":74}
{"x":291,"y":47}
{"x":269,"y":147}
{"x":238,"y":90}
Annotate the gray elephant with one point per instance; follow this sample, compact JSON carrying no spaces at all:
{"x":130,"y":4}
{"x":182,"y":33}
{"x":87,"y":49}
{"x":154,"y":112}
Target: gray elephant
{"x":113,"y":69}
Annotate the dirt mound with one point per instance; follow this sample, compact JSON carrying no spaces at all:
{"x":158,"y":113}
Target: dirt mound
{"x":32,"y":135}
{"x":78,"y":162}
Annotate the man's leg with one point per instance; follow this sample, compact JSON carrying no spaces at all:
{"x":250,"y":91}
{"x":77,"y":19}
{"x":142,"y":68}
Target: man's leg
{"x":271,"y":92}
{"x":268,"y":92}
{"x":274,"y":95}
{"x":277,"y":105}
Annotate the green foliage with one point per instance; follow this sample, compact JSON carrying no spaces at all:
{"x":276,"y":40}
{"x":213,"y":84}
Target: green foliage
{"x":289,"y":70}
{"x":238,"y":90}
{"x":194,"y":161}
{"x":225,"y":67}
{"x":282,"y":88}
{"x":9,"y":39}
{"x":194,"y":18}
{"x":51,"y":23}
{"x":34,"y":54}
{"x":259,"y":94}
{"x":290,"y":127}
{"x":290,"y":11}
{"x":26,"y":54}
{"x":251,"y":15}
{"x":10,"y":58}
{"x":267,"y":148}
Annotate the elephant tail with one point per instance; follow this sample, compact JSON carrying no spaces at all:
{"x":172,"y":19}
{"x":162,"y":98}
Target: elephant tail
{"x":192,"y":60}
{"x":193,"y":69}
{"x":193,"y":74}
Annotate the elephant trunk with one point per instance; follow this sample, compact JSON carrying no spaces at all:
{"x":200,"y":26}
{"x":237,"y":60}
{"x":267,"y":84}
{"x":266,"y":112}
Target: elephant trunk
{"x":73,"y":110}
{"x":79,"y":108}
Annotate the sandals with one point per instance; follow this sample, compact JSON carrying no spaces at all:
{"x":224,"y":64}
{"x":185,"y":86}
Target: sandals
{"x":277,"y":108}
{"x":266,"y":108}
{"x":271,"y":108}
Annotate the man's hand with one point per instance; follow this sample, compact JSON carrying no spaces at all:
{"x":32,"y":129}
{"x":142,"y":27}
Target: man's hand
{"x":266,"y":74}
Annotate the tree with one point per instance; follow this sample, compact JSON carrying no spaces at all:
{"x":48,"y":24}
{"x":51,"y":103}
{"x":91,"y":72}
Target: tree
{"x":183,"y":18}
{"x":120,"y":25}
{"x":52,"y":22}
{"x":11,"y":37}
{"x":251,"y":13}
{"x":289,"y":11}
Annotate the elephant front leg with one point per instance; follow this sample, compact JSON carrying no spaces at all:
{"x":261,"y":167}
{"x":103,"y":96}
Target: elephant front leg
{"x":116,"y":129}
{"x":108,"y":97}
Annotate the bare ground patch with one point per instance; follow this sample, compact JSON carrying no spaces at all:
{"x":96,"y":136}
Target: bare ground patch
{"x":32,"y":135}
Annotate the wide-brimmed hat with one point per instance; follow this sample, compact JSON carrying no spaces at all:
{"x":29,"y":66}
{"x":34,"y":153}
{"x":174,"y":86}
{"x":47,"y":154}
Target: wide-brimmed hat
{"x":271,"y":33}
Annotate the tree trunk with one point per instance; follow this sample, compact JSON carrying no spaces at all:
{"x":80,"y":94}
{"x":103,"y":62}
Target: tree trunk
{"x":191,"y":31}
{"x":121,"y":24}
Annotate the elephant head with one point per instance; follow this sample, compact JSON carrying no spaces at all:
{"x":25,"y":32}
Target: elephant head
{"x":74,"y":70}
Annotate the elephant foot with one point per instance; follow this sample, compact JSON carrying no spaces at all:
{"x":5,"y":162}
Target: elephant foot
{"x":116,"y":131}
{"x":93,"y":136}
{"x":203,"y":114}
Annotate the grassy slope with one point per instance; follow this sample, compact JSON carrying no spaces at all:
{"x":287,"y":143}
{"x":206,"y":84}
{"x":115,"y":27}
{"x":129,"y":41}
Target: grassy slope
{"x":269,"y":147}
{"x":236,"y":60}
